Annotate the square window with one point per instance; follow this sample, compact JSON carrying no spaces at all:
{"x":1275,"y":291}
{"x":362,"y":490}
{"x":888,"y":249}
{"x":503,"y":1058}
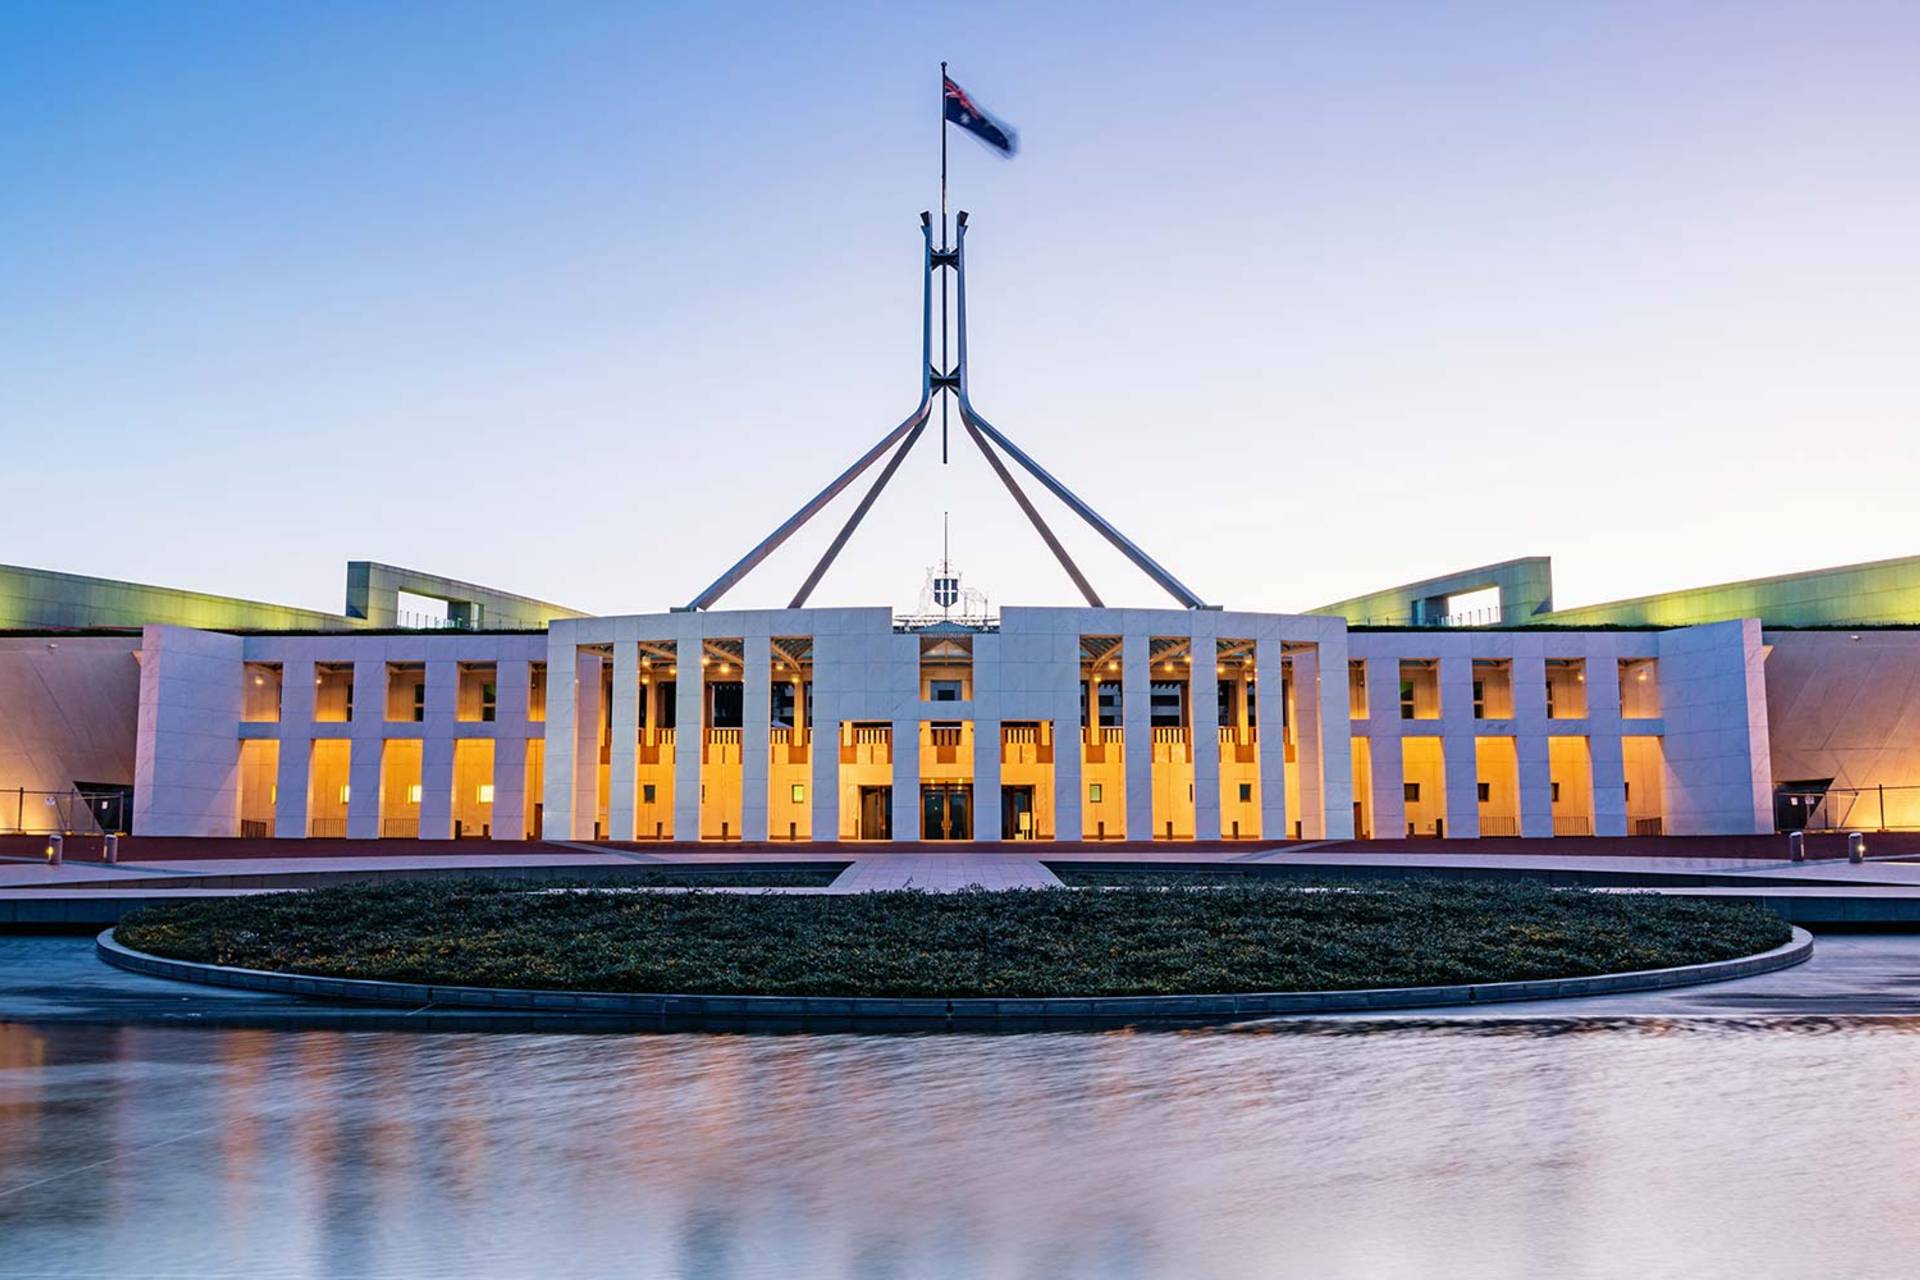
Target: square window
{"x":799,"y":793}
{"x":1246,"y":792}
{"x":486,"y":793}
{"x":647,"y":793}
{"x":1094,"y":793}
{"x":1412,"y":790}
{"x":1486,"y":792}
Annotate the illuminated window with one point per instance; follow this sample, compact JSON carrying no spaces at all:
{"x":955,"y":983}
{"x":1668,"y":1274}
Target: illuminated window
{"x":413,"y":793}
{"x":1094,"y":793}
{"x":799,"y":793}
{"x":486,"y":793}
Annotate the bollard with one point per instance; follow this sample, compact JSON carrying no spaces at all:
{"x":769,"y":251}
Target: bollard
{"x":110,"y":847}
{"x":56,"y":849}
{"x":1796,"y":846}
{"x":1856,"y":847}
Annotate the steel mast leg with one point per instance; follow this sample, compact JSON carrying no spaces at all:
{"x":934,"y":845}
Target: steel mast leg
{"x":911,"y":426}
{"x":1040,"y":525}
{"x":974,"y":422}
{"x":859,"y":514}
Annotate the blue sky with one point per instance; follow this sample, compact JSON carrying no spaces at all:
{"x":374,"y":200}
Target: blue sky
{"x":578,"y":300}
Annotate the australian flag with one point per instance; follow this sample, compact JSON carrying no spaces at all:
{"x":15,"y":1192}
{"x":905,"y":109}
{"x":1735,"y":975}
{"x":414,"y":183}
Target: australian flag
{"x":963,"y":111}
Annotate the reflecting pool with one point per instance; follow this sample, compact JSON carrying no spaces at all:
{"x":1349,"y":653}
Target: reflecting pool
{"x":1720,"y":1148}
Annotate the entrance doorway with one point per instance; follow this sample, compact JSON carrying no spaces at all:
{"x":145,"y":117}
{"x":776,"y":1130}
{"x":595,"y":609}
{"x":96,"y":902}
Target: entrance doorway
{"x":946,"y":811}
{"x":876,"y":813}
{"x":1016,"y":813}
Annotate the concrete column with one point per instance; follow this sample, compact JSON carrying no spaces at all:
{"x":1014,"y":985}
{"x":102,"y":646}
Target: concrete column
{"x":1609,"y":769}
{"x":1335,"y":739}
{"x":690,"y":736}
{"x":1608,"y":761}
{"x":1203,"y":694}
{"x":585,"y":778}
{"x":1311,"y":819}
{"x":1530,"y":726}
{"x":756,"y":727}
{"x":624,"y":752}
{"x":556,"y":800}
{"x":369,"y":741}
{"x":436,"y":750}
{"x":510,"y":785}
{"x":1270,"y":689}
{"x":1069,"y":780}
{"x":986,"y":778}
{"x":1136,"y":716}
{"x":296,"y":750}
{"x":511,"y":728}
{"x":1458,"y":752}
{"x":906,"y":778}
{"x":823,"y":796}
{"x":1383,"y":730}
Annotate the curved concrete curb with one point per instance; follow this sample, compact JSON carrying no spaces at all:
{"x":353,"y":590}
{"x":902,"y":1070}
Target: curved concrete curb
{"x":854,"y":1012}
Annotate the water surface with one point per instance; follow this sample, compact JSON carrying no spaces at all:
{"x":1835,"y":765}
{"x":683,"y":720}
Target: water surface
{"x":1771,"y":1147}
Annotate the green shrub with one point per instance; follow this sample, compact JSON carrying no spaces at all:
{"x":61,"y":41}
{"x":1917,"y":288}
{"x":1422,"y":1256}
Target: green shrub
{"x":1051,"y":942}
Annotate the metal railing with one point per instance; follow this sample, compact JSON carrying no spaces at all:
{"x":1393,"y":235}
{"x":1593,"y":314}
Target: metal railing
{"x":1879,"y":808}
{"x":65,"y":812}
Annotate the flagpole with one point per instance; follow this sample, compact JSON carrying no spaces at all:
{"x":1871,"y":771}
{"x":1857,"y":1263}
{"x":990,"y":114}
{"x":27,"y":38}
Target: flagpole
{"x":943,"y":155}
{"x":943,"y":248}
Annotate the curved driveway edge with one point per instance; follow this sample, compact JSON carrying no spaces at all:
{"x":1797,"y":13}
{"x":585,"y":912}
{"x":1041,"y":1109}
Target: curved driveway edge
{"x":808,"y":1013}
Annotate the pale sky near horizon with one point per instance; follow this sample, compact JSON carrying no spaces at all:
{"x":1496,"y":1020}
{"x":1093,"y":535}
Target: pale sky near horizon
{"x":580,"y":300}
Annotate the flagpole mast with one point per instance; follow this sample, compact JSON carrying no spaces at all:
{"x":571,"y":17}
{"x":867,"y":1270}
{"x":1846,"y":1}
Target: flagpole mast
{"x":944,"y":398}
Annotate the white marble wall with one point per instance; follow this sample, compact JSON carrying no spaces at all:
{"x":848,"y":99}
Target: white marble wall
{"x":1711,"y":683}
{"x":1719,"y":778}
{"x":186,"y":763}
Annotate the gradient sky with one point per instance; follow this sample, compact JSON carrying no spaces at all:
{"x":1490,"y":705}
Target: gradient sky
{"x":579,"y":300}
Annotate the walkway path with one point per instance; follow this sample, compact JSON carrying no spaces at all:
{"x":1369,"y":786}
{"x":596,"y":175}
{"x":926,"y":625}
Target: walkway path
{"x":944,"y":874}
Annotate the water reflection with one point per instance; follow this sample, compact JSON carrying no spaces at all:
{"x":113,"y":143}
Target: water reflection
{"x":1630,"y":1149}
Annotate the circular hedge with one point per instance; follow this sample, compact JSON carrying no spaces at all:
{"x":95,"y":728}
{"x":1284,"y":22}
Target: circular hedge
{"x":1147,"y":940}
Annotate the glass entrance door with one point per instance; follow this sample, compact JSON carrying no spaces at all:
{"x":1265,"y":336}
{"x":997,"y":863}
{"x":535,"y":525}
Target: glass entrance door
{"x":876,"y":813}
{"x":946,"y":811}
{"x":1016,"y":813}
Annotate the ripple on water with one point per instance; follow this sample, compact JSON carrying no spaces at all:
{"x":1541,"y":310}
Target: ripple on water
{"x":1397,"y":1147}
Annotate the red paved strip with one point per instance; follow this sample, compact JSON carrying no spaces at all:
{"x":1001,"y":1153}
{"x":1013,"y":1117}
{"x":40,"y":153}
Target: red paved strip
{"x":175,"y":848}
{"x":169,"y":848}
